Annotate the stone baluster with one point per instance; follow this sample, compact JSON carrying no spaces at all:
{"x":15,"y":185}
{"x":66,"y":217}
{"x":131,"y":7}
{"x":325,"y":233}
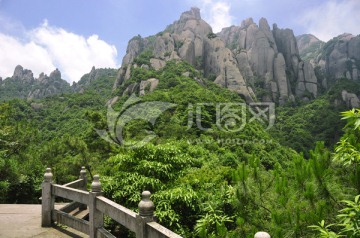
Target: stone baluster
{"x":262,"y":234}
{"x":84,"y":185}
{"x":146,"y":214}
{"x":96,"y":218}
{"x":47,"y":201}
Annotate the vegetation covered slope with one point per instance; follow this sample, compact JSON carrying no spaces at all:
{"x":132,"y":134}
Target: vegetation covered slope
{"x":205,"y":182}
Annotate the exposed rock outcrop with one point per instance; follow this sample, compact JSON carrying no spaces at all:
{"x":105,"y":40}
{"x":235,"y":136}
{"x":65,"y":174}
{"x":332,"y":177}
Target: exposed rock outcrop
{"x":142,"y":88}
{"x":187,"y":39}
{"x":342,"y":57}
{"x":32,"y":88}
{"x":339,"y":58}
{"x":22,"y":74}
{"x":219,"y":60}
{"x":245,"y":59}
{"x":49,"y":85}
{"x":280,"y":79}
{"x":147,"y":86}
{"x":351,"y":100}
{"x":269,"y":60}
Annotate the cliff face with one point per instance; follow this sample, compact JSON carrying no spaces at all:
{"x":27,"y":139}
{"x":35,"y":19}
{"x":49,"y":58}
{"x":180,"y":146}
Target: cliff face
{"x":337,"y":58}
{"x":342,"y":57}
{"x":271,"y":58}
{"x":190,"y":39}
{"x":256,"y":62}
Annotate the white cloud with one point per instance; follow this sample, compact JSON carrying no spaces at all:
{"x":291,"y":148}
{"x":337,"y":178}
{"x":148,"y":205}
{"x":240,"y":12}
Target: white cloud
{"x":30,"y":55}
{"x":49,"y":47}
{"x":332,"y":18}
{"x":220,"y":16}
{"x":216,"y":13}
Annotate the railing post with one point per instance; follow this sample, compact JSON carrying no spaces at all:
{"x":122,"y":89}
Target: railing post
{"x":84,"y":185}
{"x":96,"y":218}
{"x":262,"y":234}
{"x":146,"y":214}
{"x":47,"y":201}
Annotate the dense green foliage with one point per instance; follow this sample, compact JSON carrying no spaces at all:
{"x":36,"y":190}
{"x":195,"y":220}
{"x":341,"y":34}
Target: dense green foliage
{"x":300,"y":125}
{"x":204,"y":182}
{"x":348,"y":154}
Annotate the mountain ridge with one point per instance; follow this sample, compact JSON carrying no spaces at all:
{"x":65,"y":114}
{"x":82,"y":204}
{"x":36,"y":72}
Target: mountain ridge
{"x":234,"y":57}
{"x":253,"y":60}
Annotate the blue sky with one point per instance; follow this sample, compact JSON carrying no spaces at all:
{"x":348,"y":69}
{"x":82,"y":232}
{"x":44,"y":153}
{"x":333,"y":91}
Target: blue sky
{"x":74,"y":35}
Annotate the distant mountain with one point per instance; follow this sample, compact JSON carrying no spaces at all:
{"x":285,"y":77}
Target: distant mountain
{"x":309,"y":46}
{"x":23,"y":85}
{"x":100,"y":80}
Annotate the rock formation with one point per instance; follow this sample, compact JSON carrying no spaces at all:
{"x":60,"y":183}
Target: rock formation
{"x":49,"y":85}
{"x":22,"y":74}
{"x":351,"y":100}
{"x":26,"y":86}
{"x":188,"y":39}
{"x":252,"y":60}
{"x":269,"y":59}
{"x":342,"y":57}
{"x":338,"y":58}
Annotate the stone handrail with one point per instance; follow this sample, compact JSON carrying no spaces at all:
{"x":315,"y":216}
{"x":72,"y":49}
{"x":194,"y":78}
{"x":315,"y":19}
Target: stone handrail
{"x":143,"y":224}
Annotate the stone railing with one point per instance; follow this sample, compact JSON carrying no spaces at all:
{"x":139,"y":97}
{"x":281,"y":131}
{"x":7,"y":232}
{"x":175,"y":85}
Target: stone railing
{"x":142,"y":224}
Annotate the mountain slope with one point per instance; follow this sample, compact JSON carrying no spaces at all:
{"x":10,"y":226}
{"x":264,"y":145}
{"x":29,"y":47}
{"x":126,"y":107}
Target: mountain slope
{"x":309,"y":46}
{"x":199,"y":173}
{"x":212,"y":167}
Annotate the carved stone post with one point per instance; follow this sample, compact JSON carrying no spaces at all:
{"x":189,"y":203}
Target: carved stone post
{"x":146,"y":214}
{"x":84,"y":185}
{"x":96,"y":218}
{"x":262,"y":234}
{"x":47,"y":201}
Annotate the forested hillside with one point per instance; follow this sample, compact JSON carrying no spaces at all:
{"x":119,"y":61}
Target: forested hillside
{"x":224,"y":153}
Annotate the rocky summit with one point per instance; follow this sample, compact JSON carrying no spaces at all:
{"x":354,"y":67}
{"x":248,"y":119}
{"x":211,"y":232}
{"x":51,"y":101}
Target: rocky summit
{"x":257,"y":62}
{"x":23,"y":85}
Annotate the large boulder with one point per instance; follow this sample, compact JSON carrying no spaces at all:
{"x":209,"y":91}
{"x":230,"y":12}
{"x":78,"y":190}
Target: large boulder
{"x":351,"y":100}
{"x":23,"y":74}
